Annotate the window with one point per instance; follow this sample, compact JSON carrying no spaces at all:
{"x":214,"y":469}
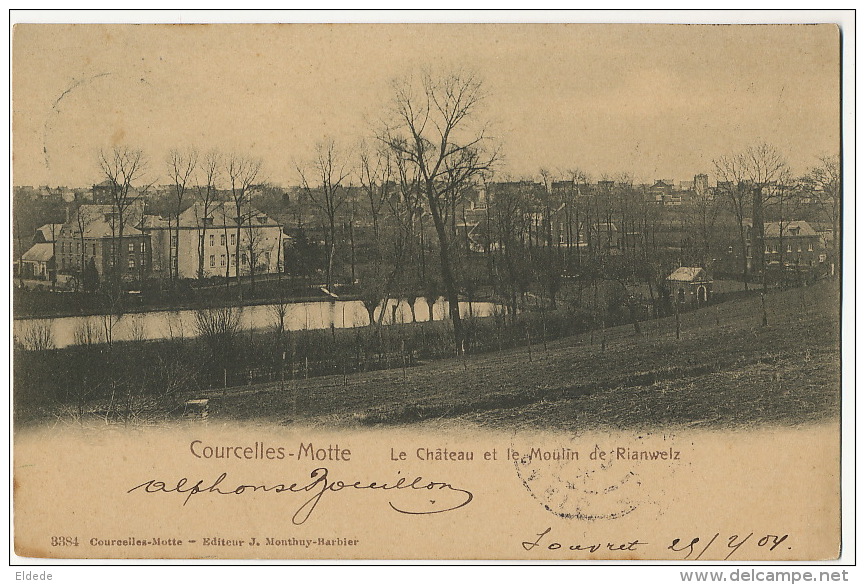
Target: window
{"x":232,"y":239}
{"x":221,"y":239}
{"x":767,"y":248}
{"x":94,"y":248}
{"x":267,"y":258}
{"x":789,"y":248}
{"x":131,"y":247}
{"x":132,"y":264}
{"x":810,"y":247}
{"x":799,"y":247}
{"x":822,"y":257}
{"x":222,"y":259}
{"x":243,"y":258}
{"x":212,"y":259}
{"x":211,"y":241}
{"x":233,"y":259}
{"x":173,"y":242}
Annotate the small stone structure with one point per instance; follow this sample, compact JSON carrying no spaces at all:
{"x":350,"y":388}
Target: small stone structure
{"x":690,"y":285}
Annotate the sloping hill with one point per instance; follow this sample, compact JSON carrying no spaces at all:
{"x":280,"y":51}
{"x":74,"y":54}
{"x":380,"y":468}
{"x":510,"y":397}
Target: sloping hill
{"x":725,"y":371}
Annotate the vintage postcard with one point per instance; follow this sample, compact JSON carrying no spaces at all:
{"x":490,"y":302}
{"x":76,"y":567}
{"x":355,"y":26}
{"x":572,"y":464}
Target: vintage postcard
{"x":428,"y":291}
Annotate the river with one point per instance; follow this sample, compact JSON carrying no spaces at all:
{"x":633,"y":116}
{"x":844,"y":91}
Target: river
{"x":66,"y":331}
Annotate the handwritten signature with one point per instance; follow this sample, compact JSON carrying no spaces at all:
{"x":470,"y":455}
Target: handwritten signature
{"x":320,"y":483}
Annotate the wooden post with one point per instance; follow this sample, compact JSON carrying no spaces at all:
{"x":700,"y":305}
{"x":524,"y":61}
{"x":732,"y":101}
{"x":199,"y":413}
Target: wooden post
{"x":402,"y":351}
{"x":544,"y":328}
{"x":678,"y":322}
{"x":763,"y":305}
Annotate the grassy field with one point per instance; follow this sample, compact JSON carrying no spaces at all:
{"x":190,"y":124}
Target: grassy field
{"x":726,"y":371}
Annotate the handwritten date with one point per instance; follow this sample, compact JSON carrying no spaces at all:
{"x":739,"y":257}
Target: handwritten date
{"x":734,"y":543}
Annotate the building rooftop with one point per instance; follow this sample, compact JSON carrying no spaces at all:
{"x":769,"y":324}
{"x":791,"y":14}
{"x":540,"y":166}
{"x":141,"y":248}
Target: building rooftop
{"x":688,"y":274}
{"x":49,"y":232}
{"x":39,"y":253}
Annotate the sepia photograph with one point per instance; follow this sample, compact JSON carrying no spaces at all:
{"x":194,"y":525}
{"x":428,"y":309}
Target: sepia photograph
{"x":481,"y":291}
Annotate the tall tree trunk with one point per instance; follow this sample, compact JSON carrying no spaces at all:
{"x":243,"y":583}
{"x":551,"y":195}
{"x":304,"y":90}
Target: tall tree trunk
{"x":451,"y":293}
{"x":331,"y":250}
{"x":237,"y":255}
{"x":202,"y":235}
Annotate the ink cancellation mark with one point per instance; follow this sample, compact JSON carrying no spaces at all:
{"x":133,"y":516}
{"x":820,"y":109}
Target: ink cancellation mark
{"x":585,"y":481}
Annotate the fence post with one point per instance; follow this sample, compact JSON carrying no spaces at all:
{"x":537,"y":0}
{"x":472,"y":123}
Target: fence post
{"x":763,"y":304}
{"x":402,"y":352}
{"x":678,"y":321}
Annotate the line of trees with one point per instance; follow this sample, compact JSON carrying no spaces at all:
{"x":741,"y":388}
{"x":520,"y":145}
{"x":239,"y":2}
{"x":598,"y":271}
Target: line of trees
{"x":393,"y":212}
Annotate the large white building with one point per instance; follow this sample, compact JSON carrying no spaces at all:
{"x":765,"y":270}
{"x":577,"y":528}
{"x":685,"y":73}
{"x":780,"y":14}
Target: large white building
{"x":213,"y":239}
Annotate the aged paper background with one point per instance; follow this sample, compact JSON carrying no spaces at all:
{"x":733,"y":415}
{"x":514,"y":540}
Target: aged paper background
{"x":739,"y":491}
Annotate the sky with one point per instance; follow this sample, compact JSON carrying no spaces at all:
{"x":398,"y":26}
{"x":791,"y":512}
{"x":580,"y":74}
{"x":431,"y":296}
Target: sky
{"x":652,"y":101}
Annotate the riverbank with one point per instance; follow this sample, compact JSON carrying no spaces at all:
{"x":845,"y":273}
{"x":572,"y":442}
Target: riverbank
{"x":187,"y":295}
{"x":724,"y":370}
{"x":217,"y":352}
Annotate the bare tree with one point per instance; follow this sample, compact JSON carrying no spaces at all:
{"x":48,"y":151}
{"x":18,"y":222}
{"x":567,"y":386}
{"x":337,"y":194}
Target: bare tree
{"x":330,"y":169}
{"x":181,"y":166}
{"x":122,"y":167}
{"x":704,"y":211}
{"x":225,"y":242}
{"x":82,"y":217}
{"x":748,"y":177}
{"x":786,"y":198}
{"x":755,"y":170}
{"x":112,"y":312}
{"x":254,"y":247}
{"x":432,"y":126}
{"x":206,"y":191}
{"x":219,"y":328}
{"x":509,"y":207}
{"x":734,"y":190}
{"x":824,"y":184}
{"x":375,"y":179}
{"x":242,"y":173}
{"x":87,"y":332}
{"x":36,"y":336}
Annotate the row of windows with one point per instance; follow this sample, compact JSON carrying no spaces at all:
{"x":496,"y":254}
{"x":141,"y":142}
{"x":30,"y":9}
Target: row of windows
{"x":77,"y":247}
{"x":130,"y":264}
{"x":233,"y":261}
{"x":773,"y":249}
{"x":221,"y":240}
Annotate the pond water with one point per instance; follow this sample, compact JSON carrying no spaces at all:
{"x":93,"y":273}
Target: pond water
{"x":66,"y":331}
